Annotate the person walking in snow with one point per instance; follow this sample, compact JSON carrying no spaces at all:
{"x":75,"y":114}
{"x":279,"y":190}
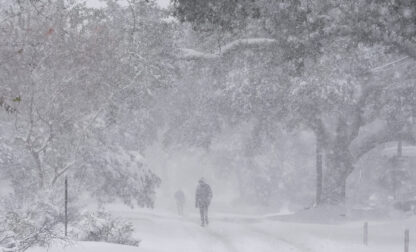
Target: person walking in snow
{"x":203,"y":198}
{"x":180,"y":201}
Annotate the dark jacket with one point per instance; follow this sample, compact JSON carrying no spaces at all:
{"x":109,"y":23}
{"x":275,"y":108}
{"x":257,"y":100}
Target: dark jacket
{"x":203,"y":195}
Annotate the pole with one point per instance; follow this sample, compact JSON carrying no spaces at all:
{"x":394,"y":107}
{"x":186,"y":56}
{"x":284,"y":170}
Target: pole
{"x":406,"y":240}
{"x":66,"y":206}
{"x":399,"y":148}
{"x":365,"y":233}
{"x":319,"y":175}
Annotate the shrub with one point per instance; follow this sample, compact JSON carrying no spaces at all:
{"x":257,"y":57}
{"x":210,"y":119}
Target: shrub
{"x":102,"y":226}
{"x":22,"y":228}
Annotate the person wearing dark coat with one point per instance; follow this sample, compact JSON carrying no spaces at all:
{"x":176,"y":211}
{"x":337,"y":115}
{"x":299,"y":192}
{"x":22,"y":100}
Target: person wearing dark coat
{"x":180,"y":201}
{"x":203,"y":198}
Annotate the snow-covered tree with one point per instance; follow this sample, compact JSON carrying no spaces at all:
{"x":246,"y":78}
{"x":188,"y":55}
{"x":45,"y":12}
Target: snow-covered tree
{"x":84,"y":83}
{"x":325,"y":67}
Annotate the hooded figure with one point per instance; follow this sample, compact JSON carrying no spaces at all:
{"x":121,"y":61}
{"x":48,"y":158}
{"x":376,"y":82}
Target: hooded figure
{"x":180,"y":201}
{"x":203,"y":198}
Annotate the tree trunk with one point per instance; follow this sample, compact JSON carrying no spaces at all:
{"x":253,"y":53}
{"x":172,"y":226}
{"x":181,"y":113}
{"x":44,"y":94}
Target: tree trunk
{"x":339,"y":167}
{"x":396,"y":166}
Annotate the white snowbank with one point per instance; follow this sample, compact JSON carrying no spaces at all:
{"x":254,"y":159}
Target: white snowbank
{"x":90,"y":247}
{"x":407,"y":151}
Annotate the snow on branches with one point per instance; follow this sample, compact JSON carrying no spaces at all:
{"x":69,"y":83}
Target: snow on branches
{"x":191,"y":54}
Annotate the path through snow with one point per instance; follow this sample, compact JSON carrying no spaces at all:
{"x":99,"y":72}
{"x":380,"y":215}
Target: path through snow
{"x":166,"y":232}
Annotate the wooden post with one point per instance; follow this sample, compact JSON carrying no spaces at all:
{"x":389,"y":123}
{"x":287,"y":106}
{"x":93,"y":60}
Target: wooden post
{"x":406,"y":240}
{"x":365,"y":233}
{"x":66,"y":206}
{"x":400,"y":148}
{"x":319,"y":173}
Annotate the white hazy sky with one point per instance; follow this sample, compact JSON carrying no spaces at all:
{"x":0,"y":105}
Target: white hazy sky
{"x":97,"y":3}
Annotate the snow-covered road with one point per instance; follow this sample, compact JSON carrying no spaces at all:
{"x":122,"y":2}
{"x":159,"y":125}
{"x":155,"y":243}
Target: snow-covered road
{"x":230,"y":233}
{"x":224,"y":234}
{"x":165,"y":232}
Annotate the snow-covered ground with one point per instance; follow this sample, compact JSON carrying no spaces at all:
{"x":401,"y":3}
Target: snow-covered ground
{"x":162,"y":231}
{"x":89,"y":247}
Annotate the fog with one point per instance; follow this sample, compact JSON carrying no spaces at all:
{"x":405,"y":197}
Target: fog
{"x":207,"y":125}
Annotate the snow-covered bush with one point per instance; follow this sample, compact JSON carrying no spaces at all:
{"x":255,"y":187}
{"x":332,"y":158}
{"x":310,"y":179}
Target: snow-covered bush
{"x":22,"y":227}
{"x":8,"y":241}
{"x":102,"y":226}
{"x":118,"y":174}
